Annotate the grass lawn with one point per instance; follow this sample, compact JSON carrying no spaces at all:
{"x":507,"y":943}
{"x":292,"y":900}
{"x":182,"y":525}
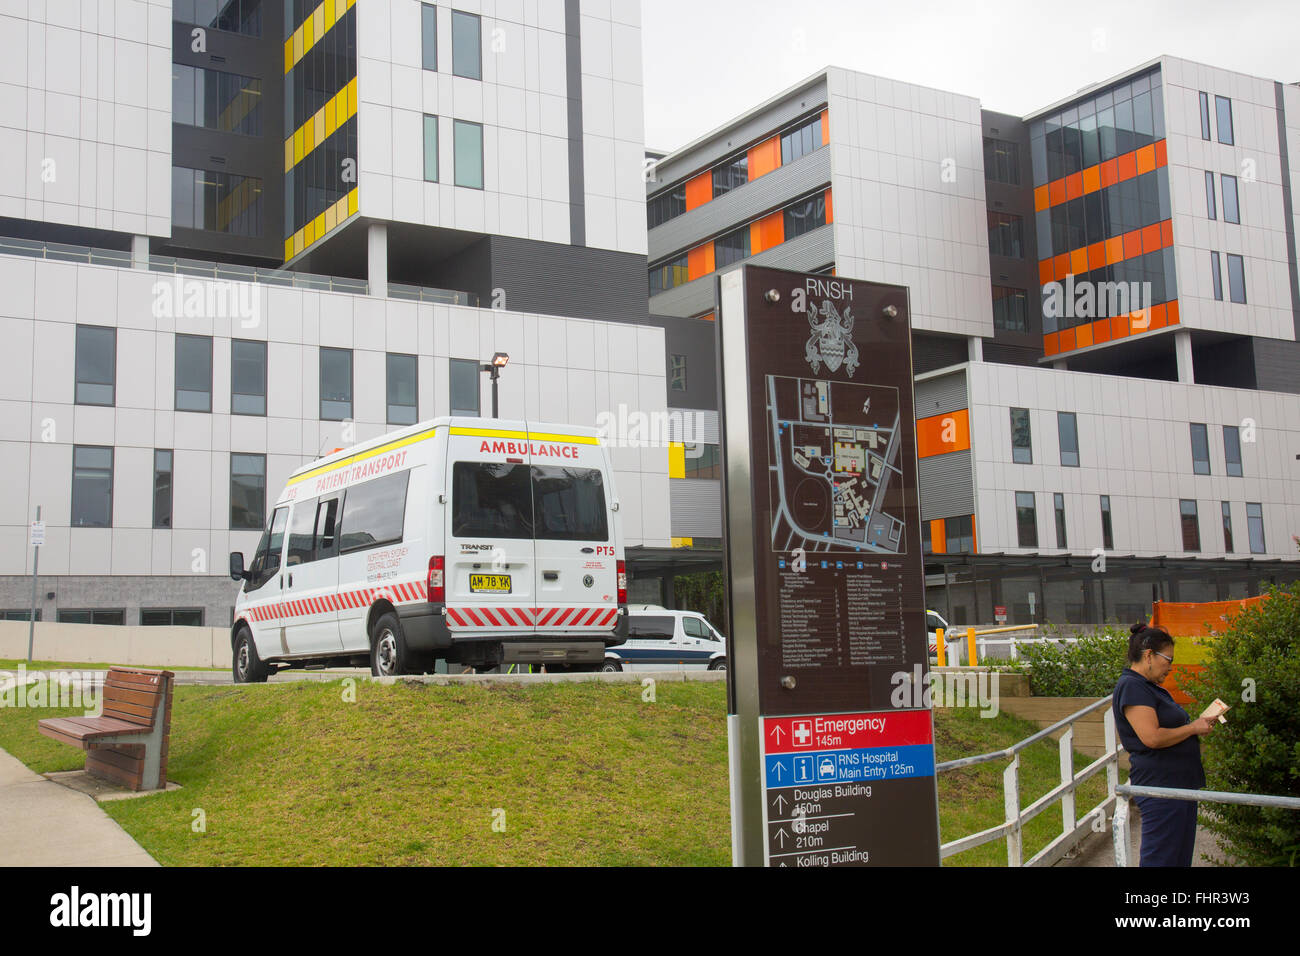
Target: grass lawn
{"x":577,"y":774}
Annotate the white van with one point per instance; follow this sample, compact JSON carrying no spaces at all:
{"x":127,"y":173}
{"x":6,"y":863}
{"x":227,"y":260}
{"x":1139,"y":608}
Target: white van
{"x":658,"y":639}
{"x":479,"y":541}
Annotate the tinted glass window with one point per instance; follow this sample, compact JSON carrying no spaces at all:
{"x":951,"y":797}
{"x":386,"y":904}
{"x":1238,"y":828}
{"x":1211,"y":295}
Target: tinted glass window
{"x":193,"y":373}
{"x":267,"y":562}
{"x":1026,"y":519}
{"x":1107,"y":534}
{"x":430,"y":149}
{"x":650,"y":627}
{"x":1227,"y":527}
{"x":1022,"y":444}
{"x":1232,"y":449}
{"x":1255,"y":526}
{"x":247,"y":377}
{"x":247,"y":491}
{"x":1231,"y":212}
{"x":1200,"y":449}
{"x":96,"y":363}
{"x":335,"y":384}
{"x":1236,"y":278}
{"x":373,"y":513}
{"x":1069,"y":431}
{"x":327,"y":542}
{"x":92,"y":487}
{"x":162,"y":489}
{"x":1190,"y":526}
{"x":401,"y":389}
{"x":466,"y":45}
{"x":569,"y":504}
{"x":490,"y":500}
{"x":429,"y":36}
{"x":464,"y":382}
{"x":468,"y":146}
{"x":1223,"y":116}
{"x":302,"y":526}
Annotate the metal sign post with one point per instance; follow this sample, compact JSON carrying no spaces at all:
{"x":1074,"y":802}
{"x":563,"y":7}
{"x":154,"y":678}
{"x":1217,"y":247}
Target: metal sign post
{"x":831,"y":743}
{"x":37,"y":538}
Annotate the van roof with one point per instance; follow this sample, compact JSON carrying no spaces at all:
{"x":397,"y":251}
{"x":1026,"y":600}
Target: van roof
{"x":497,"y":424}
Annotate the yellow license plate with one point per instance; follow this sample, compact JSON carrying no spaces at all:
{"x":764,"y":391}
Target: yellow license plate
{"x":490,"y":583}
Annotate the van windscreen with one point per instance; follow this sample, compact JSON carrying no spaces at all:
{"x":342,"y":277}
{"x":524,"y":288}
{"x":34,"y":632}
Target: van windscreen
{"x":569,"y":504}
{"x":490,"y":500}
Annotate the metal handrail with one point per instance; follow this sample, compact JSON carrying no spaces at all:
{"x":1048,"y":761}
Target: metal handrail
{"x":1072,"y":829}
{"x":1120,"y":823}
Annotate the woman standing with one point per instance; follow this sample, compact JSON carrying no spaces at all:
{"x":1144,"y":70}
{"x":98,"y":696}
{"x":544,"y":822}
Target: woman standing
{"x":1163,"y":747}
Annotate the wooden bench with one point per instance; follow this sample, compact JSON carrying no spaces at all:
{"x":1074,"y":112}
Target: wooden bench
{"x":128,"y":744}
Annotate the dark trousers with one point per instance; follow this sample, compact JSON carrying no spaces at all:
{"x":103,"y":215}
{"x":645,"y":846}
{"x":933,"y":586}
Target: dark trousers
{"x":1168,"y":831}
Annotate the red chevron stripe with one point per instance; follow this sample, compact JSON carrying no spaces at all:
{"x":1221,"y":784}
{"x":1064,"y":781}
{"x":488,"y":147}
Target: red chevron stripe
{"x":559,"y":621}
{"x":472,"y":617}
{"x":491,"y":618}
{"x":545,"y":619}
{"x":453,"y":618}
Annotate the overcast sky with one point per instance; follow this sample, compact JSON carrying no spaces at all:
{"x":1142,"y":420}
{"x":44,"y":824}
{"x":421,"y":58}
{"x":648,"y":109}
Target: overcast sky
{"x":706,"y":61}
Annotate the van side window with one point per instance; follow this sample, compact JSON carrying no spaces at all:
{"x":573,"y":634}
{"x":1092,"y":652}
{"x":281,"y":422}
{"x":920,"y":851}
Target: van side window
{"x":569,"y":504}
{"x":649,"y":628}
{"x":694,"y":627}
{"x":267,"y":563}
{"x":373,"y":513}
{"x":301,"y":527}
{"x":327,"y":513}
{"x":490,"y":500}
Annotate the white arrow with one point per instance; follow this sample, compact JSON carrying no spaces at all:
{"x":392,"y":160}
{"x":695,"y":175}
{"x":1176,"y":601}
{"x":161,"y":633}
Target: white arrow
{"x":779,"y":803}
{"x":778,"y":770}
{"x":778,"y":731}
{"x":780,"y":836}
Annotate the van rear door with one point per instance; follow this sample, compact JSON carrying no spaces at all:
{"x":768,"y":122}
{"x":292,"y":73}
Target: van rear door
{"x":577,"y":557}
{"x":490,"y":562}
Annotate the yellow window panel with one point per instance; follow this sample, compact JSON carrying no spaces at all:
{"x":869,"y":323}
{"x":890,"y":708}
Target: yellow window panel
{"x":329,"y":16}
{"x":288,"y":55}
{"x":318,"y":127}
{"x":297,"y":146}
{"x":319,"y":224}
{"x":288,"y":249}
{"x":331,"y":122}
{"x":297,"y":45}
{"x":352,"y":203}
{"x":352,"y":95}
{"x":318,"y":21}
{"x":676,"y":460}
{"x":288,"y":154}
{"x":297,"y":242}
{"x":331,"y":218}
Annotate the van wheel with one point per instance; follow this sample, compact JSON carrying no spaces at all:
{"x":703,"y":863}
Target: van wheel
{"x":719,"y":665}
{"x":610,"y":667}
{"x":388,"y":654}
{"x":247,"y":666}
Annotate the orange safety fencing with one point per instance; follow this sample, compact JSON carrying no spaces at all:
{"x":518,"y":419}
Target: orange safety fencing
{"x":1199,"y":623}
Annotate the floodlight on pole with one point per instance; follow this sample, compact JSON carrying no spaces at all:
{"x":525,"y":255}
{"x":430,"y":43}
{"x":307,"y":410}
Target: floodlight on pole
{"x":493,"y":368}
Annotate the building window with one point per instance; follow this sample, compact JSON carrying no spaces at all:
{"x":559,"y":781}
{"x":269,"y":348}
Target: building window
{"x":926,"y":546}
{"x":801,"y":140}
{"x":959,"y":534}
{"x":1232,"y":450}
{"x":1001,"y":161}
{"x":214,"y":100}
{"x":216,"y":202}
{"x":402,"y":390}
{"x":805,"y":216}
{"x":430,"y":149}
{"x":1255,"y":527}
{"x":464,"y":379}
{"x":1216,"y":276}
{"x":1058,"y":505}
{"x":730,"y":248}
{"x":665,"y":206}
{"x":92,"y":486}
{"x":1022,"y":440}
{"x":1227,"y":528}
{"x":1236,"y":278}
{"x":193,"y":373}
{"x":1210,"y":209}
{"x":468,"y":139}
{"x":1200,"y":449}
{"x":162,"y":488}
{"x":233,"y":16}
{"x":727,"y":176}
{"x":677,"y":373}
{"x":1223,"y":118}
{"x":247,"y":377}
{"x":96,"y":365}
{"x":1010,"y":309}
{"x":429,"y":36}
{"x":1026,"y":519}
{"x":466,"y":45}
{"x":1006,"y":235}
{"x":335,"y":384}
{"x":669,"y":275}
{"x":1068,"y":427}
{"x":247,"y":492}
{"x":703,"y":461}
{"x":171,"y":617}
{"x":1205,"y":115}
{"x":1231,"y":209}
{"x":90,"y":616}
{"x":1191,"y":528}
{"x":1107,"y":532}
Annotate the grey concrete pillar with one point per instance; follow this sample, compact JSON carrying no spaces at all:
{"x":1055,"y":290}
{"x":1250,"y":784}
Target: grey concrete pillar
{"x":1183,"y":351}
{"x":377,"y":258}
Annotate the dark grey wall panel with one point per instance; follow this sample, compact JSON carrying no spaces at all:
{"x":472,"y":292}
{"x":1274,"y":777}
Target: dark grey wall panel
{"x":755,"y":198}
{"x":939,"y":395}
{"x":697,"y":340}
{"x":555,"y":279}
{"x":696,"y":506}
{"x":687,"y":163}
{"x":947,"y":488}
{"x":930,"y":351}
{"x":1276,"y":361}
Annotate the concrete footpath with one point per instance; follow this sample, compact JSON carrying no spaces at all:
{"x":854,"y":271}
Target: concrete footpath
{"x":45,"y":824}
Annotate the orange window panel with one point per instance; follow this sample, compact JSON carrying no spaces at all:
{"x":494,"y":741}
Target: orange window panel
{"x":1109,"y":173}
{"x":1079,"y":261}
{"x":1119,"y":327}
{"x":1051,"y":343}
{"x":974,"y":542}
{"x":1101,"y":331}
{"x":1096,"y":255}
{"x":767,"y":232}
{"x":1171,"y":312}
{"x":941,"y":434}
{"x":1040,"y":198}
{"x":1061,"y":265}
{"x":1091,"y":179}
{"x":708,"y":317}
{"x":826,"y":127}
{"x":1132,"y":243}
{"x":1126,"y":166}
{"x":1114,"y":250}
{"x":938,"y":538}
{"x":1159,"y":316}
{"x":1162,"y":154}
{"x":1045,"y":273}
{"x":699,"y":261}
{"x":1073,"y":186}
{"x":1068,"y":340}
{"x":1151,"y":238}
{"x":1056,"y":192}
{"x":699,"y":190}
{"x":1146,"y":159}
{"x":1083,"y":336}
{"x":764,"y":157}
{"x":830,"y":212}
{"x":1167,"y":233}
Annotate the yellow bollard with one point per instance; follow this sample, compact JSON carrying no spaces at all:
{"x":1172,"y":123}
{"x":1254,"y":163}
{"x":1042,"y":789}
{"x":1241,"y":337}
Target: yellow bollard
{"x":940,"y":648}
{"x":971,"y":657}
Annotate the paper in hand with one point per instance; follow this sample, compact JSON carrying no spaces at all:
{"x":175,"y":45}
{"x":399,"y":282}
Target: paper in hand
{"x":1217,"y":709}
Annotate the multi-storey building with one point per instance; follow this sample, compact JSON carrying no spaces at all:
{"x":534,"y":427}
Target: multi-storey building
{"x":236,"y":234}
{"x":1082,"y":450}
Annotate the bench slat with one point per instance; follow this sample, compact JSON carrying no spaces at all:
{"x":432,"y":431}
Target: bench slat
{"x":87,"y":728}
{"x":131,"y":695}
{"x":113,"y":774}
{"x":142,"y":678}
{"x":123,"y":760}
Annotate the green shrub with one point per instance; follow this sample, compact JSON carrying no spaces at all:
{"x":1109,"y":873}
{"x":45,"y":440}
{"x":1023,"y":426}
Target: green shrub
{"x":1254,"y":667}
{"x":1088,"y":668}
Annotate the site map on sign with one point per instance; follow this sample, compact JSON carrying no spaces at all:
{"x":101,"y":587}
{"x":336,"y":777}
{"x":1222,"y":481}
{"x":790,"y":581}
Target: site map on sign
{"x":835,"y":448}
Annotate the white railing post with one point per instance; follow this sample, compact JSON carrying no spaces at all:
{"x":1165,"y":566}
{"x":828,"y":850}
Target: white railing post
{"x":1112,"y":749}
{"x":1011,"y":805}
{"x":1067,"y":778}
{"x":1119,"y":831}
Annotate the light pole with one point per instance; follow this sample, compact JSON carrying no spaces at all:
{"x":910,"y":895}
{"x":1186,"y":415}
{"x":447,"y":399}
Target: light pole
{"x":499,"y":361}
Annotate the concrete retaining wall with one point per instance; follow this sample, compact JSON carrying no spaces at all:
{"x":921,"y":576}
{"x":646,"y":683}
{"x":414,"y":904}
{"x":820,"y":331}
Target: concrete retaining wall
{"x":131,"y":645}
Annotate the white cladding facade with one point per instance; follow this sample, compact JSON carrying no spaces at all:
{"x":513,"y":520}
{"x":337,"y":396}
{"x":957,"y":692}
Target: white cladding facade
{"x":85,"y":113}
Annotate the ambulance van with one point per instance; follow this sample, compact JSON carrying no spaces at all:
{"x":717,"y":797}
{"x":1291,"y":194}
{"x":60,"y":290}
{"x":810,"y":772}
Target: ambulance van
{"x":478,"y":541}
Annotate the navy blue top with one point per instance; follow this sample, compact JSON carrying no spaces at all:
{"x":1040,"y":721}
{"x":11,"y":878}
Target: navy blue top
{"x":1176,"y":766}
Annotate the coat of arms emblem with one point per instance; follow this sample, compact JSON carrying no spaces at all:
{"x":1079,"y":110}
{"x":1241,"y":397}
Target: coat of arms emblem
{"x":830,"y":341}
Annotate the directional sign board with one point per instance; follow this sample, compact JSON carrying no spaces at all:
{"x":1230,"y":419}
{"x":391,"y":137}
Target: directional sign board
{"x":36,"y":536}
{"x":826,"y":576}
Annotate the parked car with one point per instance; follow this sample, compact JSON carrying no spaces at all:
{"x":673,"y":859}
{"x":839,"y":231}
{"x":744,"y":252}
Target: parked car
{"x":660,"y":639}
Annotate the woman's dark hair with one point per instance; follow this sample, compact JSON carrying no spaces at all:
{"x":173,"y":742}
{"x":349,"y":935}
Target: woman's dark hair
{"x":1143,"y":638}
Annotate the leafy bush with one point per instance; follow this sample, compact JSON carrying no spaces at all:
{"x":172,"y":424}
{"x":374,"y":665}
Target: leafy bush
{"x":1254,"y":667}
{"x":1088,"y":668}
